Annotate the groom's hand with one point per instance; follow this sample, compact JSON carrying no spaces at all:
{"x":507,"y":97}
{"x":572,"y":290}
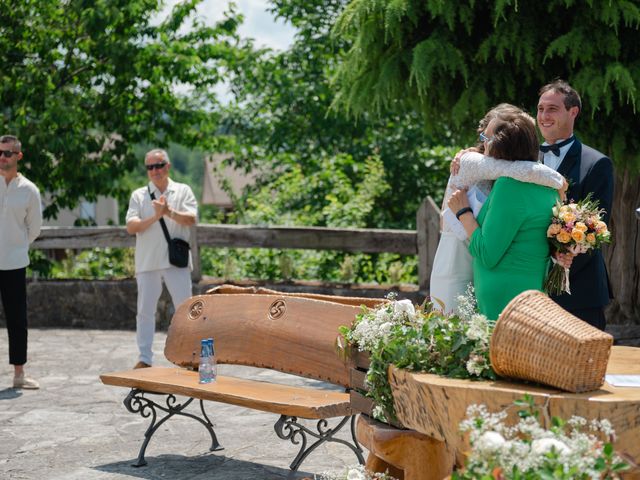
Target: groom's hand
{"x":564,"y":259}
{"x":563,"y":190}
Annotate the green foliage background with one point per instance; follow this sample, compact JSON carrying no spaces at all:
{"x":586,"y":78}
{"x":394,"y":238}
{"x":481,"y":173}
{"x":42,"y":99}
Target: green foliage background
{"x":93,"y":86}
{"x":84,"y":82}
{"x":352,"y":125}
{"x":452,"y":61}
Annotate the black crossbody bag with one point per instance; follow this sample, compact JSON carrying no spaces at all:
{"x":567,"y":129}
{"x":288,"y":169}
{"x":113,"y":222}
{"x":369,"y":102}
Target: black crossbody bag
{"x":178,"y":248}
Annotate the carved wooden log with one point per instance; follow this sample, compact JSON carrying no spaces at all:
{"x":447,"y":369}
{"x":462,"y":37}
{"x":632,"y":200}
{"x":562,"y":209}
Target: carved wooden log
{"x":405,"y":454}
{"x":435,"y":405}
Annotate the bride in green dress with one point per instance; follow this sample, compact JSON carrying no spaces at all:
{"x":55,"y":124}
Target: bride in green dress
{"x":508,"y":241}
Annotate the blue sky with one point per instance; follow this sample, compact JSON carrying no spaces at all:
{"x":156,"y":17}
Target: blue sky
{"x":258,"y":24}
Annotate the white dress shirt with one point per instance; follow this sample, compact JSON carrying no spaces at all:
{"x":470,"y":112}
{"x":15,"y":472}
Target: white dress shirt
{"x":20,"y":221}
{"x":550,"y":159}
{"x":152,"y":251}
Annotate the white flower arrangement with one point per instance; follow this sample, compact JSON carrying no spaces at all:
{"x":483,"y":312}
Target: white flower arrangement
{"x":575,"y":449}
{"x":376,"y":325}
{"x":357,"y":472}
{"x":419,"y":339}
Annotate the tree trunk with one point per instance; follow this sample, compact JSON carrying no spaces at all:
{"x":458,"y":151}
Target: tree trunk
{"x":622,"y":256}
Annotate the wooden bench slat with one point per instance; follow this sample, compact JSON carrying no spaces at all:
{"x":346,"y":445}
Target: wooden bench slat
{"x":289,"y":400}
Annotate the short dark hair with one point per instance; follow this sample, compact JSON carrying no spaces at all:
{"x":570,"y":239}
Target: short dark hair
{"x":11,"y":139}
{"x":571,"y":97}
{"x":514,"y":138}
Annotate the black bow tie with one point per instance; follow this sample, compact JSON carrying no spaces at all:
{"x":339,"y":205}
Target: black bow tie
{"x":555,"y":148}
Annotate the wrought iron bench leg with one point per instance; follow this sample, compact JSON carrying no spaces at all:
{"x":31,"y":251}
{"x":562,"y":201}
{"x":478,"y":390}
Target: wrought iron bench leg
{"x":136,"y":402}
{"x":288,"y":428}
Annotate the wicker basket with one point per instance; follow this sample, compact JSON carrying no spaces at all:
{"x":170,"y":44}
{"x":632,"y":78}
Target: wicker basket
{"x":536,"y":339}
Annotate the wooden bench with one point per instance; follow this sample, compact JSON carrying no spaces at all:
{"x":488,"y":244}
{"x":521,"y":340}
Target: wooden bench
{"x":288,"y":333}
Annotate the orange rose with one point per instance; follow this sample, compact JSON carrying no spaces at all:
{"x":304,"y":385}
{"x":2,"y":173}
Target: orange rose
{"x":577,"y":235}
{"x":601,"y":227}
{"x":567,"y":217}
{"x":553,"y":230}
{"x":563,"y":237}
{"x":591,"y":238}
{"x":580,"y":226}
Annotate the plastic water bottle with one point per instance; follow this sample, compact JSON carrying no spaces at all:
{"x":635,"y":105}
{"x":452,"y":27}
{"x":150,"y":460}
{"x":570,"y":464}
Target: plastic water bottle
{"x":204,"y":369}
{"x":212,"y":360}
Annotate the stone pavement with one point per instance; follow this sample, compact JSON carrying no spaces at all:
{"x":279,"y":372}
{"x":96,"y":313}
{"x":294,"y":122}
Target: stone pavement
{"x":75,"y":427}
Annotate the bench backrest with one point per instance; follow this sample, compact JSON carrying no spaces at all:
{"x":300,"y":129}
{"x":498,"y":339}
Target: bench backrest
{"x":287,"y":333}
{"x":356,"y":301}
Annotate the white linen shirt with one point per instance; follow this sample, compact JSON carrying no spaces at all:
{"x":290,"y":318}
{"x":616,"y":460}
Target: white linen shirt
{"x":20,"y":221}
{"x":152,"y":251}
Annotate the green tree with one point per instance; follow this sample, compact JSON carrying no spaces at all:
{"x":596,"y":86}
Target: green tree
{"x":451,"y":61}
{"x":281,"y":117}
{"x":85,"y":81}
{"x":327,"y":197}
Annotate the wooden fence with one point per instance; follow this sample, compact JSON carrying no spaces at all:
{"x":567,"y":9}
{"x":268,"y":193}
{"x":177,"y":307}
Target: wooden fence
{"x":422,"y":242}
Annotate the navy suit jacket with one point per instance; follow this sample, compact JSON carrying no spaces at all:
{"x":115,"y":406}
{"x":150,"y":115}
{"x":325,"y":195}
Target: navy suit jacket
{"x":588,"y":170}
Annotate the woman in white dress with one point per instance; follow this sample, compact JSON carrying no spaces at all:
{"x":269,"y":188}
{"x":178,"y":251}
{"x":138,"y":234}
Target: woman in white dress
{"x":452,"y":266}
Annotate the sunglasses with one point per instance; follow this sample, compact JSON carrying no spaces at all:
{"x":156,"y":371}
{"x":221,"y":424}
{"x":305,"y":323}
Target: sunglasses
{"x":156,"y":166}
{"x":484,"y":138}
{"x":8,"y":153}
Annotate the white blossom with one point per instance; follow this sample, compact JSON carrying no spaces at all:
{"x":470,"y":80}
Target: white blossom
{"x":356,"y":474}
{"x":378,"y":324}
{"x":404,"y":306}
{"x":490,"y":442}
{"x":467,"y":305}
{"x":543,"y":446}
{"x":475,"y":365}
{"x":525,"y":445}
{"x":479,"y":328}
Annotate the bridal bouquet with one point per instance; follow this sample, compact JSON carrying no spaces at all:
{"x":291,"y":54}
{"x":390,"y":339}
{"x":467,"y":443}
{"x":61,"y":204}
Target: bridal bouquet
{"x":575,"y":228}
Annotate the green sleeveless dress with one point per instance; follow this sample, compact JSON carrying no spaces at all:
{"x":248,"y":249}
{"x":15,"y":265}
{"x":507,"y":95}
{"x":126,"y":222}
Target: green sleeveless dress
{"x":510,"y":249}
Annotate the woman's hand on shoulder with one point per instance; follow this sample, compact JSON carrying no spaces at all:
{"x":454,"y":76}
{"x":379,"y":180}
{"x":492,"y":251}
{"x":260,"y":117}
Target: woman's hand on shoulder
{"x":455,"y":163}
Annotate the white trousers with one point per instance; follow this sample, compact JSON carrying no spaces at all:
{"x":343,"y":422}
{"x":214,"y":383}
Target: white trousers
{"x":178,"y":282}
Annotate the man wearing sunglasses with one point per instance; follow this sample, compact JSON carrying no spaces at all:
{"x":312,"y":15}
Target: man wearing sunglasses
{"x":20,"y":222}
{"x":174,"y":202}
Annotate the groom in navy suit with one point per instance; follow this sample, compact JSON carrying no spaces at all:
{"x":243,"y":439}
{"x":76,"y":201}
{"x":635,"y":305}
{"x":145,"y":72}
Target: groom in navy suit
{"x":588,"y":171}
